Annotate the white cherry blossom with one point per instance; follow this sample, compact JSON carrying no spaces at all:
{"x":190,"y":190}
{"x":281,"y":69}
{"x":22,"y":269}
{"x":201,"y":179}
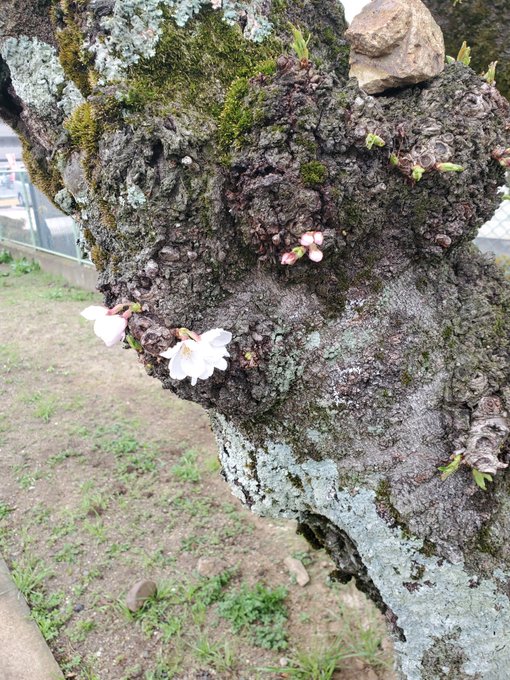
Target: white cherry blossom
{"x":109,"y":327}
{"x":197,"y":358}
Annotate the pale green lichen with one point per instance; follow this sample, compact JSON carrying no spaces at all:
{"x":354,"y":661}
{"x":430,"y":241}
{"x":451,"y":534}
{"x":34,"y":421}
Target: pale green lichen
{"x":134,"y":196}
{"x":132,"y":30}
{"x":38,"y":76}
{"x":64,"y":200}
{"x":265,"y":477}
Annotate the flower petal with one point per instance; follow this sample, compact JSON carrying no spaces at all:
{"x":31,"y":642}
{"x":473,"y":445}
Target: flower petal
{"x":189,"y":360}
{"x":110,"y":329}
{"x":171,"y":351}
{"x":221,"y":364}
{"x":315,"y":254}
{"x":217,"y":337}
{"x":175,"y":367}
{"x":207,"y":373}
{"x":306,"y":238}
{"x":94,"y":312}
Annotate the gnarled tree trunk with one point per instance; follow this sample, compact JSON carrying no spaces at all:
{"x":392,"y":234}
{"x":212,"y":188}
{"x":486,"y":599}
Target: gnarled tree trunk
{"x":194,"y":156}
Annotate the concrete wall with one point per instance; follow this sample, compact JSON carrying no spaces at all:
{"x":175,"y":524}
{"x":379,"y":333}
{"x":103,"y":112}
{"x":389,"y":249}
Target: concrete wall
{"x":81,"y":275}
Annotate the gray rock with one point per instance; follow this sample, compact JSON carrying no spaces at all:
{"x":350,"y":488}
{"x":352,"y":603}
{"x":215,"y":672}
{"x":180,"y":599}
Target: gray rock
{"x":296,"y":569}
{"x":395,"y":43}
{"x":139,"y":594}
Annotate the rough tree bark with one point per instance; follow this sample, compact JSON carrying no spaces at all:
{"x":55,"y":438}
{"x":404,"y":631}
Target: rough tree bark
{"x":484,"y":25}
{"x":193,"y":157}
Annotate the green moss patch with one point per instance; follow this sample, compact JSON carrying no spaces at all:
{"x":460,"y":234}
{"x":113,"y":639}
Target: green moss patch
{"x":196,"y":65}
{"x":313,"y":173}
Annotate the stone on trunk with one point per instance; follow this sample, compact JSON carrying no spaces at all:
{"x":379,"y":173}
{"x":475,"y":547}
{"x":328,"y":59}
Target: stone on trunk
{"x":395,"y":43}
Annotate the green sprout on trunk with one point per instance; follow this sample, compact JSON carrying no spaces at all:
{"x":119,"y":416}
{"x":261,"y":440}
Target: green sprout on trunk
{"x":451,"y":467}
{"x":449,"y":167}
{"x":374,"y":140}
{"x":490,"y":75}
{"x":464,"y":55}
{"x":300,"y":45}
{"x":418,"y":173}
{"x":481,"y":478}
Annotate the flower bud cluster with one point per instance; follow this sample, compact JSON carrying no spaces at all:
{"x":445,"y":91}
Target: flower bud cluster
{"x":309,"y":243}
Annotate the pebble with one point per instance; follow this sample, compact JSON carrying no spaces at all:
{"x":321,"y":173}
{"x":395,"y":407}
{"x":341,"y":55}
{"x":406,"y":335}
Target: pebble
{"x":296,"y":569}
{"x":139,"y":594}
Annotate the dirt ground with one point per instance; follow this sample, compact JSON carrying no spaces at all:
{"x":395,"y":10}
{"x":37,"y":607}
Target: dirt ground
{"x":106,"y":479}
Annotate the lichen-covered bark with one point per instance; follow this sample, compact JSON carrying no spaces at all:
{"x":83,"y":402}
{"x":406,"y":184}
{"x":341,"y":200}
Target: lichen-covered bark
{"x":192,"y":167}
{"x":484,"y":25}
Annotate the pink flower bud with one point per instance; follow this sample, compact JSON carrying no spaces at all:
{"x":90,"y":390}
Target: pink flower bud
{"x":318,"y":238}
{"x":289,"y":258}
{"x":307,"y":239}
{"x":315,"y":254}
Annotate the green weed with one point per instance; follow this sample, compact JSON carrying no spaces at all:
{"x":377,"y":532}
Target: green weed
{"x":24,"y":266}
{"x":317,"y":664}
{"x":68,"y":294}
{"x":218,"y":655}
{"x":47,"y":610}
{"x":5,"y":510}
{"x":69,"y":553}
{"x":58,"y":458}
{"x":5,"y":256}
{"x":81,"y":630}
{"x":96,"y":529}
{"x":132,"y":455}
{"x":166,"y":668}
{"x":187,"y":470}
{"x":45,"y":405}
{"x":259,"y":611}
{"x":9,"y":356}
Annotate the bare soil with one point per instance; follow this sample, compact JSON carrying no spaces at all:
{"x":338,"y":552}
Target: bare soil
{"x":106,"y":479}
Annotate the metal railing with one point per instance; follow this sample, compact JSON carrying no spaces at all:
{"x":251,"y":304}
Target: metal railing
{"x":495,"y":234}
{"x":27,"y":217}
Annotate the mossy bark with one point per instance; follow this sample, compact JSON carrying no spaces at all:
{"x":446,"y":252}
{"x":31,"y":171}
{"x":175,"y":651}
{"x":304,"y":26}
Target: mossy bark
{"x":350,"y":381}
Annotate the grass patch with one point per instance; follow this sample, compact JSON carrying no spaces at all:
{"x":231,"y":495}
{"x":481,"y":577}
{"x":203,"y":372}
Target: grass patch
{"x":5,"y":257}
{"x":47,"y":609}
{"x":176,"y":603}
{"x":260,"y":612}
{"x":133,"y":456}
{"x":45,"y":405}
{"x":5,"y":510}
{"x":23,"y":266}
{"x":68,"y":294}
{"x":218,"y":655}
{"x":187,"y":469}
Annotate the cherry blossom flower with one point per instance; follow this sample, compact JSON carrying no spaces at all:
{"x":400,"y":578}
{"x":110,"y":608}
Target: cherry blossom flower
{"x":289,"y":258}
{"x":216,"y":4}
{"x":108,"y":325}
{"x":196,"y":356}
{"x":315,"y":254}
{"x":309,"y":242}
{"x":307,"y":239}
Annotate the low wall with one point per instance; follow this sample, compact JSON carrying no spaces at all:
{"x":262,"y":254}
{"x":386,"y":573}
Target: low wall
{"x":79,"y":274}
